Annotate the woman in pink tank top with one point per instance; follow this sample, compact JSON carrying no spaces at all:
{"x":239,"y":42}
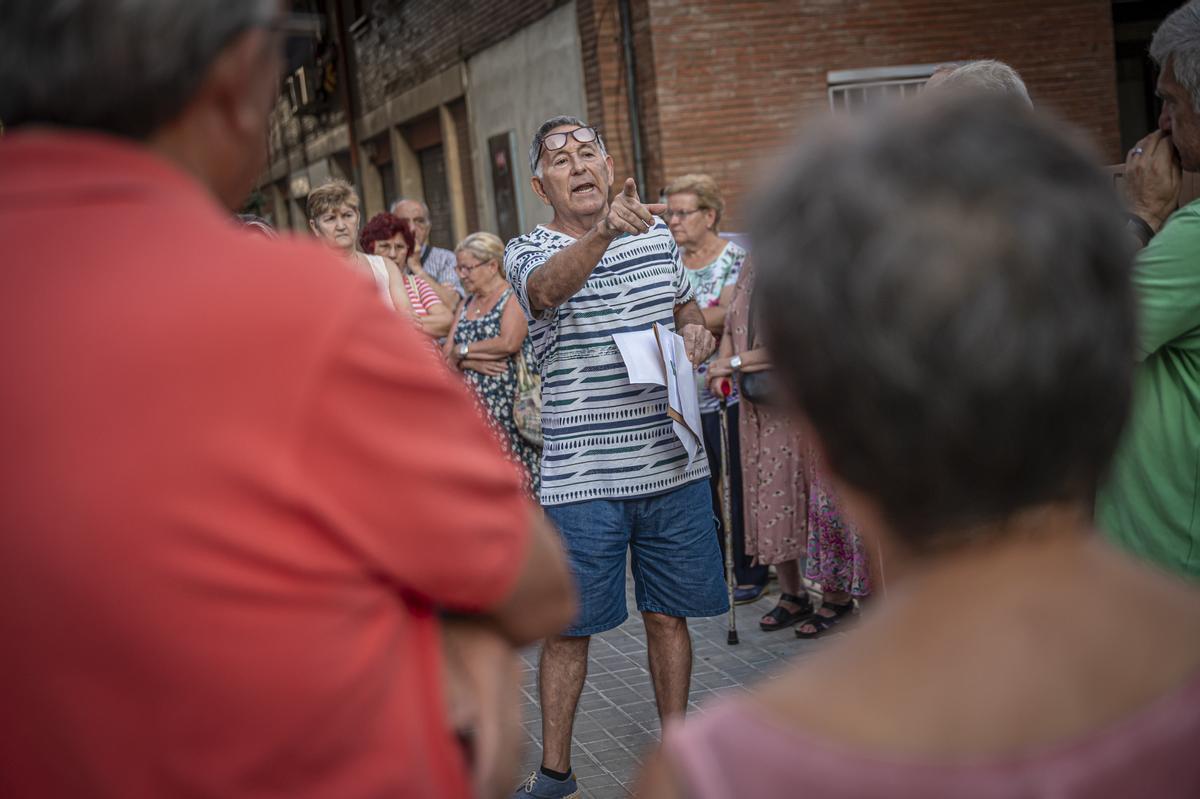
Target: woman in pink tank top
{"x":947,"y":286}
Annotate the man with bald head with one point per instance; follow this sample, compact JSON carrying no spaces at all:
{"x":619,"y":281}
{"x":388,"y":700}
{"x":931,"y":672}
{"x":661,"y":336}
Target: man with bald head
{"x":435,"y":265}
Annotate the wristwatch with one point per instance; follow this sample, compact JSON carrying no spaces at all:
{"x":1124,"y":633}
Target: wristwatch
{"x":462,"y":351}
{"x":735,"y":363}
{"x":1140,"y":228}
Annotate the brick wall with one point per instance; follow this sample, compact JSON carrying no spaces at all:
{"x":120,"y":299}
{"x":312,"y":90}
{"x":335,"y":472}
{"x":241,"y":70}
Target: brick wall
{"x":408,"y":43}
{"x":605,"y":81}
{"x":733,"y":78}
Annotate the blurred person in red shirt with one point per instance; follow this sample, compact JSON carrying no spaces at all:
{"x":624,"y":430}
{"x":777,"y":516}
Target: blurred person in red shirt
{"x":226,"y":558}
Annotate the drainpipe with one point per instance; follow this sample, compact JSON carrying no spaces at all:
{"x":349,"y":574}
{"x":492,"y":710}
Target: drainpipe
{"x":635,"y":116}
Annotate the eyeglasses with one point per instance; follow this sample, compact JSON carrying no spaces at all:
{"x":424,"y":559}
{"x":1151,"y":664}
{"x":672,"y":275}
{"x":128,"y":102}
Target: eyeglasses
{"x":462,"y":270}
{"x":557,"y":141}
{"x":669,"y":215}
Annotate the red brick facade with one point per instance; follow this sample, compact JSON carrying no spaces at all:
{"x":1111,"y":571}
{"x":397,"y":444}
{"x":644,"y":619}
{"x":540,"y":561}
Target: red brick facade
{"x":724,"y":83}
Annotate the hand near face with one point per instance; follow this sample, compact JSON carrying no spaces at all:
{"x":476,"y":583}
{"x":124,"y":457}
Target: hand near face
{"x":413,"y":263}
{"x":698,"y":342}
{"x":1152,"y":178}
{"x":628,"y":214}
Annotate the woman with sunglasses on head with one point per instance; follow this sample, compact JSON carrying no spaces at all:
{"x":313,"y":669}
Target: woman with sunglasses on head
{"x":486,"y":340}
{"x":386,"y":235}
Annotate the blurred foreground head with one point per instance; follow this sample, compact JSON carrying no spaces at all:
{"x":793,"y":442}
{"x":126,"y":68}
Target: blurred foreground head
{"x":194,"y":79}
{"x":948,"y":300}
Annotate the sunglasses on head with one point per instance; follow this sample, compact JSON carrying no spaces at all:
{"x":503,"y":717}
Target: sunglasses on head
{"x":557,"y":141}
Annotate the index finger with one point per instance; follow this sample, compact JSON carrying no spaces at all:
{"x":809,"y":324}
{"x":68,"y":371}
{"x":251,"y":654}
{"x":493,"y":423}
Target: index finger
{"x":658,"y":209}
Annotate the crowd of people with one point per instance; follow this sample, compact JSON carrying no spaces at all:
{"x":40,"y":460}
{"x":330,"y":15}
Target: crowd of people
{"x":279,"y":514}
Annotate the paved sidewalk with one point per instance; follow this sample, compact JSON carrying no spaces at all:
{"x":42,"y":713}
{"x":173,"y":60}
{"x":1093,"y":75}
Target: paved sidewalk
{"x":617,"y":721}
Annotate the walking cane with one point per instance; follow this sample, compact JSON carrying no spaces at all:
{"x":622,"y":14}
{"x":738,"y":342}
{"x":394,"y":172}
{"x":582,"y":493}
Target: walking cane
{"x":726,"y":514}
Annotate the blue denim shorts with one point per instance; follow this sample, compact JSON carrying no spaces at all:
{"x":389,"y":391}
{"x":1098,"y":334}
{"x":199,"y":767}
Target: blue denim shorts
{"x":675,"y":557}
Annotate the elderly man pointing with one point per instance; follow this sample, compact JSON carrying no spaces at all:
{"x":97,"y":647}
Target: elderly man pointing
{"x":615,"y":478}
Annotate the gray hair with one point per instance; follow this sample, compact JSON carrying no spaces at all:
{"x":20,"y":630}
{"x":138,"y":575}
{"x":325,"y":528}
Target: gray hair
{"x":421,"y":203}
{"x":535,"y":147}
{"x":965,"y":286}
{"x":1178,"y":40}
{"x":123,"y":67}
{"x":988,"y":76}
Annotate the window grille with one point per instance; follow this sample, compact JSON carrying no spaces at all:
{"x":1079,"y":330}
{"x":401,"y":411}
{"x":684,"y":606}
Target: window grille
{"x":853,"y":89}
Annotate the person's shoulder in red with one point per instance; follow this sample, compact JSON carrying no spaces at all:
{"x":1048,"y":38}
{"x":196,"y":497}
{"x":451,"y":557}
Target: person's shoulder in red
{"x":243,"y":487}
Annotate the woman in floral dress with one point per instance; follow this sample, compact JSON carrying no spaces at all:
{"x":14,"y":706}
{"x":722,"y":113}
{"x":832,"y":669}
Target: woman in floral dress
{"x":791,"y":512}
{"x":712,"y":265}
{"x":485,"y":342}
{"x":837,"y":559}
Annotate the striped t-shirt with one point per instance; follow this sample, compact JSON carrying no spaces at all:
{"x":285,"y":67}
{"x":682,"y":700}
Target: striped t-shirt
{"x":420,"y":294}
{"x":604,"y":438}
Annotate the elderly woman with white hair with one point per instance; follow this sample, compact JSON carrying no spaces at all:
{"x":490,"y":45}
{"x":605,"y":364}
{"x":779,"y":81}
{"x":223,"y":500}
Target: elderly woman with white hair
{"x":987,"y":76}
{"x":486,"y":341}
{"x":712,"y":265}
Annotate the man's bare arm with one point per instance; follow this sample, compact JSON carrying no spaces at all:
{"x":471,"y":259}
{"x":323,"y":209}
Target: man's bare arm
{"x":697,"y":339}
{"x":563,"y":275}
{"x":688,"y":314}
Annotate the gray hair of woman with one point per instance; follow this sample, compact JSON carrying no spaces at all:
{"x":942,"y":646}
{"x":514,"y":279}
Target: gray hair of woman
{"x":987,"y":76}
{"x":959,"y":328}
{"x":1177,"y":42}
{"x":484,"y":246}
{"x":708,"y":193}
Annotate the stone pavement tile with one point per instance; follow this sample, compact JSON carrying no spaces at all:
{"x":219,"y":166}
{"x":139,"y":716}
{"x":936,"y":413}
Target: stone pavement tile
{"x":606,"y":744}
{"x":591,"y":736}
{"x":603,"y":788}
{"x":617,"y":723}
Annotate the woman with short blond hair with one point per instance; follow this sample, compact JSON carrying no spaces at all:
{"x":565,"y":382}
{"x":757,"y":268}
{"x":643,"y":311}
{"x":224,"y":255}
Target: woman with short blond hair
{"x":333,"y":217}
{"x":486,"y":340}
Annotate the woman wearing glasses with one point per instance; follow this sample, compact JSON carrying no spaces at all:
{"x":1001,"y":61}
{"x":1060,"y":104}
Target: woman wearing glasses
{"x":485,"y":341}
{"x":694,"y":208}
{"x":386,"y":235}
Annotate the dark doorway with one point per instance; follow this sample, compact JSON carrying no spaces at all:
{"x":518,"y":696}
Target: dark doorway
{"x":437,"y":195}
{"x":1134,"y":23}
{"x":504,"y":191}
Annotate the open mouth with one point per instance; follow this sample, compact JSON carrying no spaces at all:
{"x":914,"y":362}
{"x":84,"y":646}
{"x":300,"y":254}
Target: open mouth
{"x":584,"y":188}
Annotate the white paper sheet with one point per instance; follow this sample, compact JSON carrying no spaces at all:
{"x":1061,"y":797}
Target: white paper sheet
{"x":658,"y":357}
{"x":681,"y":393}
{"x":642,"y":356}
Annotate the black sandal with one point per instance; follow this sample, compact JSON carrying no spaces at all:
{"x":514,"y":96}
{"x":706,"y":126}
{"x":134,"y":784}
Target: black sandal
{"x":823,"y":623}
{"x":784,"y":617}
